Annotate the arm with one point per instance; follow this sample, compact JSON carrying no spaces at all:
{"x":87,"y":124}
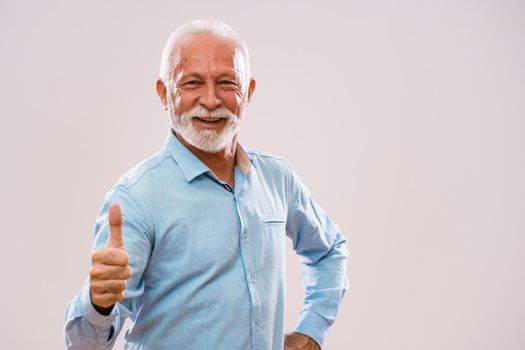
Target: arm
{"x":322,"y":247}
{"x":84,"y":326}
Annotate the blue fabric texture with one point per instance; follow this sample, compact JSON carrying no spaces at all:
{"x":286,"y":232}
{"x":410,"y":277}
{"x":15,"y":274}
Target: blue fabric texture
{"x":208,"y":261}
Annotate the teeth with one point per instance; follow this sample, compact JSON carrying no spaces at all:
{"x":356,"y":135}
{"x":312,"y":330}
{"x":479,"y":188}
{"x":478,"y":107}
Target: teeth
{"x":210,"y":119}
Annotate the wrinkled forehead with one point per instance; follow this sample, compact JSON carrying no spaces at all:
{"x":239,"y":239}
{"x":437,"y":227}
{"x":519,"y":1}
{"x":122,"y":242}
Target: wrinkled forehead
{"x":207,"y":51}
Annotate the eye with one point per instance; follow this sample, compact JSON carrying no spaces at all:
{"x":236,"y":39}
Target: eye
{"x":192,"y":83}
{"x":228,"y":85}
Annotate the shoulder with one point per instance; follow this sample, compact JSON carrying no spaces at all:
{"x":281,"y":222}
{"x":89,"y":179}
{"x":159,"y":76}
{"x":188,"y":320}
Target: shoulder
{"x":148,"y":172}
{"x":268,"y":161}
{"x":278,"y":169}
{"x":274,"y":170}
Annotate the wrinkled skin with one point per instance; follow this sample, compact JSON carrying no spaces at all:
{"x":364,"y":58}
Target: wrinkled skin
{"x":211,"y":72}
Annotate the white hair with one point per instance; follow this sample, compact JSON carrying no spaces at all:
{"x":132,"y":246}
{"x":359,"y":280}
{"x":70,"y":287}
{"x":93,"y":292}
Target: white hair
{"x":168,"y":62}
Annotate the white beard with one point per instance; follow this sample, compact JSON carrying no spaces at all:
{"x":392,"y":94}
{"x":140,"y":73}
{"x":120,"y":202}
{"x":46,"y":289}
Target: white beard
{"x":210,"y":141}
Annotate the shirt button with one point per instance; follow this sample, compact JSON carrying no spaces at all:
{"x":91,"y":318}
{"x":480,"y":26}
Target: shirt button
{"x":251,"y":278}
{"x":244,"y":234}
{"x":255,"y":326}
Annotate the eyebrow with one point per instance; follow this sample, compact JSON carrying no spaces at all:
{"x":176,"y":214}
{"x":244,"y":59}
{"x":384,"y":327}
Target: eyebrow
{"x":223,"y":72}
{"x":191,"y":75}
{"x":194,"y":75}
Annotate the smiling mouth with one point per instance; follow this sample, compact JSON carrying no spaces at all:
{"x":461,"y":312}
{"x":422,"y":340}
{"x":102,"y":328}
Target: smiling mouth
{"x":209,"y":120}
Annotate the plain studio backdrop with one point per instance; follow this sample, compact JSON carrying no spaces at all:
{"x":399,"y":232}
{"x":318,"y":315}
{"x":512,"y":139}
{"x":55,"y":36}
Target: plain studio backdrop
{"x":405,"y":119}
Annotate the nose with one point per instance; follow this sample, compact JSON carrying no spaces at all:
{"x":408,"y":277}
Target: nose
{"x":209,"y":98}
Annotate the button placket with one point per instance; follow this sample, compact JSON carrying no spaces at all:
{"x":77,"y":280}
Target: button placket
{"x":246,"y":247}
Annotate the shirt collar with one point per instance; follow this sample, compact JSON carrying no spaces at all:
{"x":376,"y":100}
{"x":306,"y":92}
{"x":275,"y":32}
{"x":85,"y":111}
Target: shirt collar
{"x":191,"y":166}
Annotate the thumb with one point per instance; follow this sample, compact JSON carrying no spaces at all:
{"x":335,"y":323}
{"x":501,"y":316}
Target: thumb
{"x":115,"y":239}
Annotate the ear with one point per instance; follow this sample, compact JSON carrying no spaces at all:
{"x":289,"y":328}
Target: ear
{"x":251,"y":88}
{"x":162,"y":92}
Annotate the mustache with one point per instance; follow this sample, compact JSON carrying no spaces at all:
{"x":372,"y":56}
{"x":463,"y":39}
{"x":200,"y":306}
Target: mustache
{"x":203,"y":112}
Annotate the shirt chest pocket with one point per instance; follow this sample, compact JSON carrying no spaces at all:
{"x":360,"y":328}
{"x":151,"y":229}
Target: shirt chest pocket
{"x":274,"y":226}
{"x":272,"y":253}
{"x":274,"y":230}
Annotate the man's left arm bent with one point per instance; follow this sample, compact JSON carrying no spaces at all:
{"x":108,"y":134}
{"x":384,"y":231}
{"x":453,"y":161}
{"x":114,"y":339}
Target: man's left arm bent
{"x":322,"y":247}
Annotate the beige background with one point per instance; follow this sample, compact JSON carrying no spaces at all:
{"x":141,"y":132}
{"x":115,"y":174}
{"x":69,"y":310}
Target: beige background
{"x":405,"y":118}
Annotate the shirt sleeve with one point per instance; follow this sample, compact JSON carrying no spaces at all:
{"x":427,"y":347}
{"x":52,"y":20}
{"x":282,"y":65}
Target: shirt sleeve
{"x":85,"y":327}
{"x":322,"y":248}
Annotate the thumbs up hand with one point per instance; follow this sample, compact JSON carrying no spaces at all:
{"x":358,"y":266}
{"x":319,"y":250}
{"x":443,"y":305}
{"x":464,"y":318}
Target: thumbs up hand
{"x":109,"y":266}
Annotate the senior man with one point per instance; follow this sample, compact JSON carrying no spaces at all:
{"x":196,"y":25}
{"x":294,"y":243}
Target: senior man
{"x":190,"y":243}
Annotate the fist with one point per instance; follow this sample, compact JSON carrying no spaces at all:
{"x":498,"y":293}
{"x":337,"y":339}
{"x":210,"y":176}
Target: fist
{"x":298,"y":341}
{"x":109,"y":266}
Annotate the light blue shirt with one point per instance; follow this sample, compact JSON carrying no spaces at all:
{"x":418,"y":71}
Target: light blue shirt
{"x":208,"y":261}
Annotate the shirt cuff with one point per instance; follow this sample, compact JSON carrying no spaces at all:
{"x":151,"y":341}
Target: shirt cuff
{"x":313,"y":325}
{"x":92,"y":315}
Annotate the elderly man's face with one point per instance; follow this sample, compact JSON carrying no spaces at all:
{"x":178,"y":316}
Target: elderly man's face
{"x":208,"y":92}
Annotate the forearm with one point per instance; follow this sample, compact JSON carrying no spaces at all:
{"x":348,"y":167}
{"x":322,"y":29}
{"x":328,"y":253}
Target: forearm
{"x":325,"y":283}
{"x":86,"y":328}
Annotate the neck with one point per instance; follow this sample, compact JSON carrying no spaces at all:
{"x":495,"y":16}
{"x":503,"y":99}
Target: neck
{"x":221,"y":163}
